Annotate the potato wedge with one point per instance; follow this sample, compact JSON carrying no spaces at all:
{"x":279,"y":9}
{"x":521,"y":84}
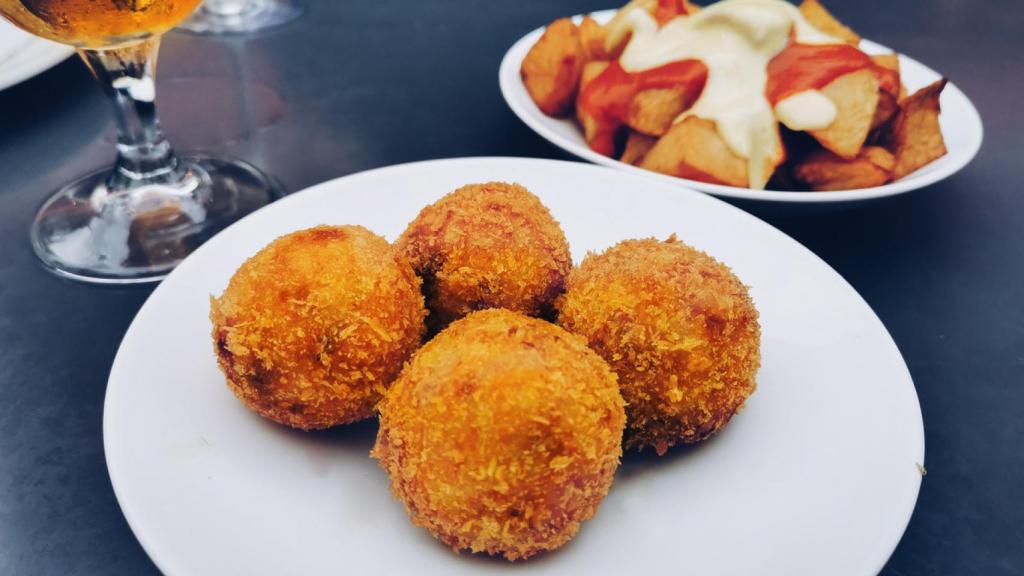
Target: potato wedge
{"x":551,"y":69}
{"x":694,"y":149}
{"x":855,"y":96}
{"x":648,"y":5}
{"x":593,"y":36}
{"x":823,"y":20}
{"x":888,"y":61}
{"x":824,"y":171}
{"x":914,"y":136}
{"x":888,"y":100}
{"x":617,"y":34}
{"x":879,"y":157}
{"x":653,"y":111}
{"x":637,"y":146}
{"x":888,"y":106}
{"x":591,"y":70}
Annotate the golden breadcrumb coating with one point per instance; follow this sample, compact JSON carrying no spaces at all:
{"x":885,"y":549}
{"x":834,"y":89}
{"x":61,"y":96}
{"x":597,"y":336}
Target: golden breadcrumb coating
{"x":483,"y":246}
{"x":313,"y":328}
{"x":502,"y":434}
{"x":678,"y":328}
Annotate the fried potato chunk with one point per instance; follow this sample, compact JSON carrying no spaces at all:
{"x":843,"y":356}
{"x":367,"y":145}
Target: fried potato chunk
{"x":502,"y":435}
{"x":490,"y":245}
{"x":637,"y":146}
{"x":888,"y":103}
{"x":914,"y":136}
{"x":677,"y":327}
{"x":824,"y":171}
{"x":888,"y":106}
{"x":653,"y":111}
{"x":592,"y":37}
{"x":888,"y":61}
{"x":823,"y":20}
{"x":694,"y":149}
{"x":592,"y":70}
{"x":618,"y":34}
{"x":551,"y":69}
{"x":590,"y":126}
{"x":313,"y":328}
{"x":855,"y":96}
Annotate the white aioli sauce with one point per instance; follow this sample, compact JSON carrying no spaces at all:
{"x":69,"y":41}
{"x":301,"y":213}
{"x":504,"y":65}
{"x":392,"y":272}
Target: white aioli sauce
{"x":807,"y":110}
{"x":735,"y":39}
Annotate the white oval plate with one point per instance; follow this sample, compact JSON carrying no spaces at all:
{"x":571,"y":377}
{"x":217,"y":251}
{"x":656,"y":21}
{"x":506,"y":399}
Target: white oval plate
{"x":961,"y":127}
{"x":23,"y":55}
{"x":818,"y":475}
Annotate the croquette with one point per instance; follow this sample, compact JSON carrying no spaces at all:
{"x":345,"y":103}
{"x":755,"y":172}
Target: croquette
{"x":484,"y":246}
{"x":502,"y":434}
{"x":312,"y":329}
{"x":678,"y":328}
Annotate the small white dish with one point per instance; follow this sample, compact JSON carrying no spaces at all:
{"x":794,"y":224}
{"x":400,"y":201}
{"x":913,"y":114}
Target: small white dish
{"x":23,"y":56}
{"x":818,"y":474}
{"x":961,"y":127}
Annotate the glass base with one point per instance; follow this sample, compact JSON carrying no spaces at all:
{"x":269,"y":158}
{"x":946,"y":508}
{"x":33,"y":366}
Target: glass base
{"x":89,"y":233}
{"x":240,"y":17}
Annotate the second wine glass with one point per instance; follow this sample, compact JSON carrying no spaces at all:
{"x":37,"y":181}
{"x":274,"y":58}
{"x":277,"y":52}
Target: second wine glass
{"x":240,"y":16}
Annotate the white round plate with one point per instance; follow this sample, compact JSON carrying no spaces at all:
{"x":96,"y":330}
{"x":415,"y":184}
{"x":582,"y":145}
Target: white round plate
{"x":961,"y":127}
{"x":817,"y":475}
{"x":23,"y":55}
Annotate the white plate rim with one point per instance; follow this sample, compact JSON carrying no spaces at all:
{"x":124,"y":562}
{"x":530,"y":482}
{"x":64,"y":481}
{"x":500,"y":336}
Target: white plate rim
{"x":37,"y":56}
{"x":512,"y":90}
{"x":113,"y":465}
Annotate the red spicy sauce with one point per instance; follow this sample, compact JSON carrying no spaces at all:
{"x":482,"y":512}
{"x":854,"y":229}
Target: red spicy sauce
{"x":888,"y":80}
{"x":669,"y":9}
{"x":606,"y":98}
{"x":801,"y":67}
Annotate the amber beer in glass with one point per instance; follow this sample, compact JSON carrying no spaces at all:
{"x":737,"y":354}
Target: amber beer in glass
{"x":96,"y":23}
{"x":136,"y":222}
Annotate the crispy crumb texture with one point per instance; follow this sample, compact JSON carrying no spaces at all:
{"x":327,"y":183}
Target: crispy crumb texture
{"x":678,"y":328}
{"x":502,"y":434}
{"x":313,"y":328}
{"x":490,"y":245}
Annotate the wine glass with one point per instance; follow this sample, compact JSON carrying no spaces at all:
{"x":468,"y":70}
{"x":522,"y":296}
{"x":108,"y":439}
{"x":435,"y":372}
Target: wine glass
{"x":240,"y":16}
{"x":137,"y":222}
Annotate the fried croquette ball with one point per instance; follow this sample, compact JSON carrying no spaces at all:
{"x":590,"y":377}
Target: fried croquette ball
{"x":483,"y":246}
{"x":677,"y":327}
{"x":313,"y":328}
{"x":502,"y":434}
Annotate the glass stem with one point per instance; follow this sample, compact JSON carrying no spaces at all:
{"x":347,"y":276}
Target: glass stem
{"x":127,"y":74}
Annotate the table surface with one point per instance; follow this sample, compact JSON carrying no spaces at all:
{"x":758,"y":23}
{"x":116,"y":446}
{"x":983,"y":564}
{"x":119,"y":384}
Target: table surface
{"x":353,"y":86}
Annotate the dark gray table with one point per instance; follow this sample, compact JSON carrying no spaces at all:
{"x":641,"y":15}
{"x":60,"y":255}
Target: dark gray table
{"x":356,"y":85}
